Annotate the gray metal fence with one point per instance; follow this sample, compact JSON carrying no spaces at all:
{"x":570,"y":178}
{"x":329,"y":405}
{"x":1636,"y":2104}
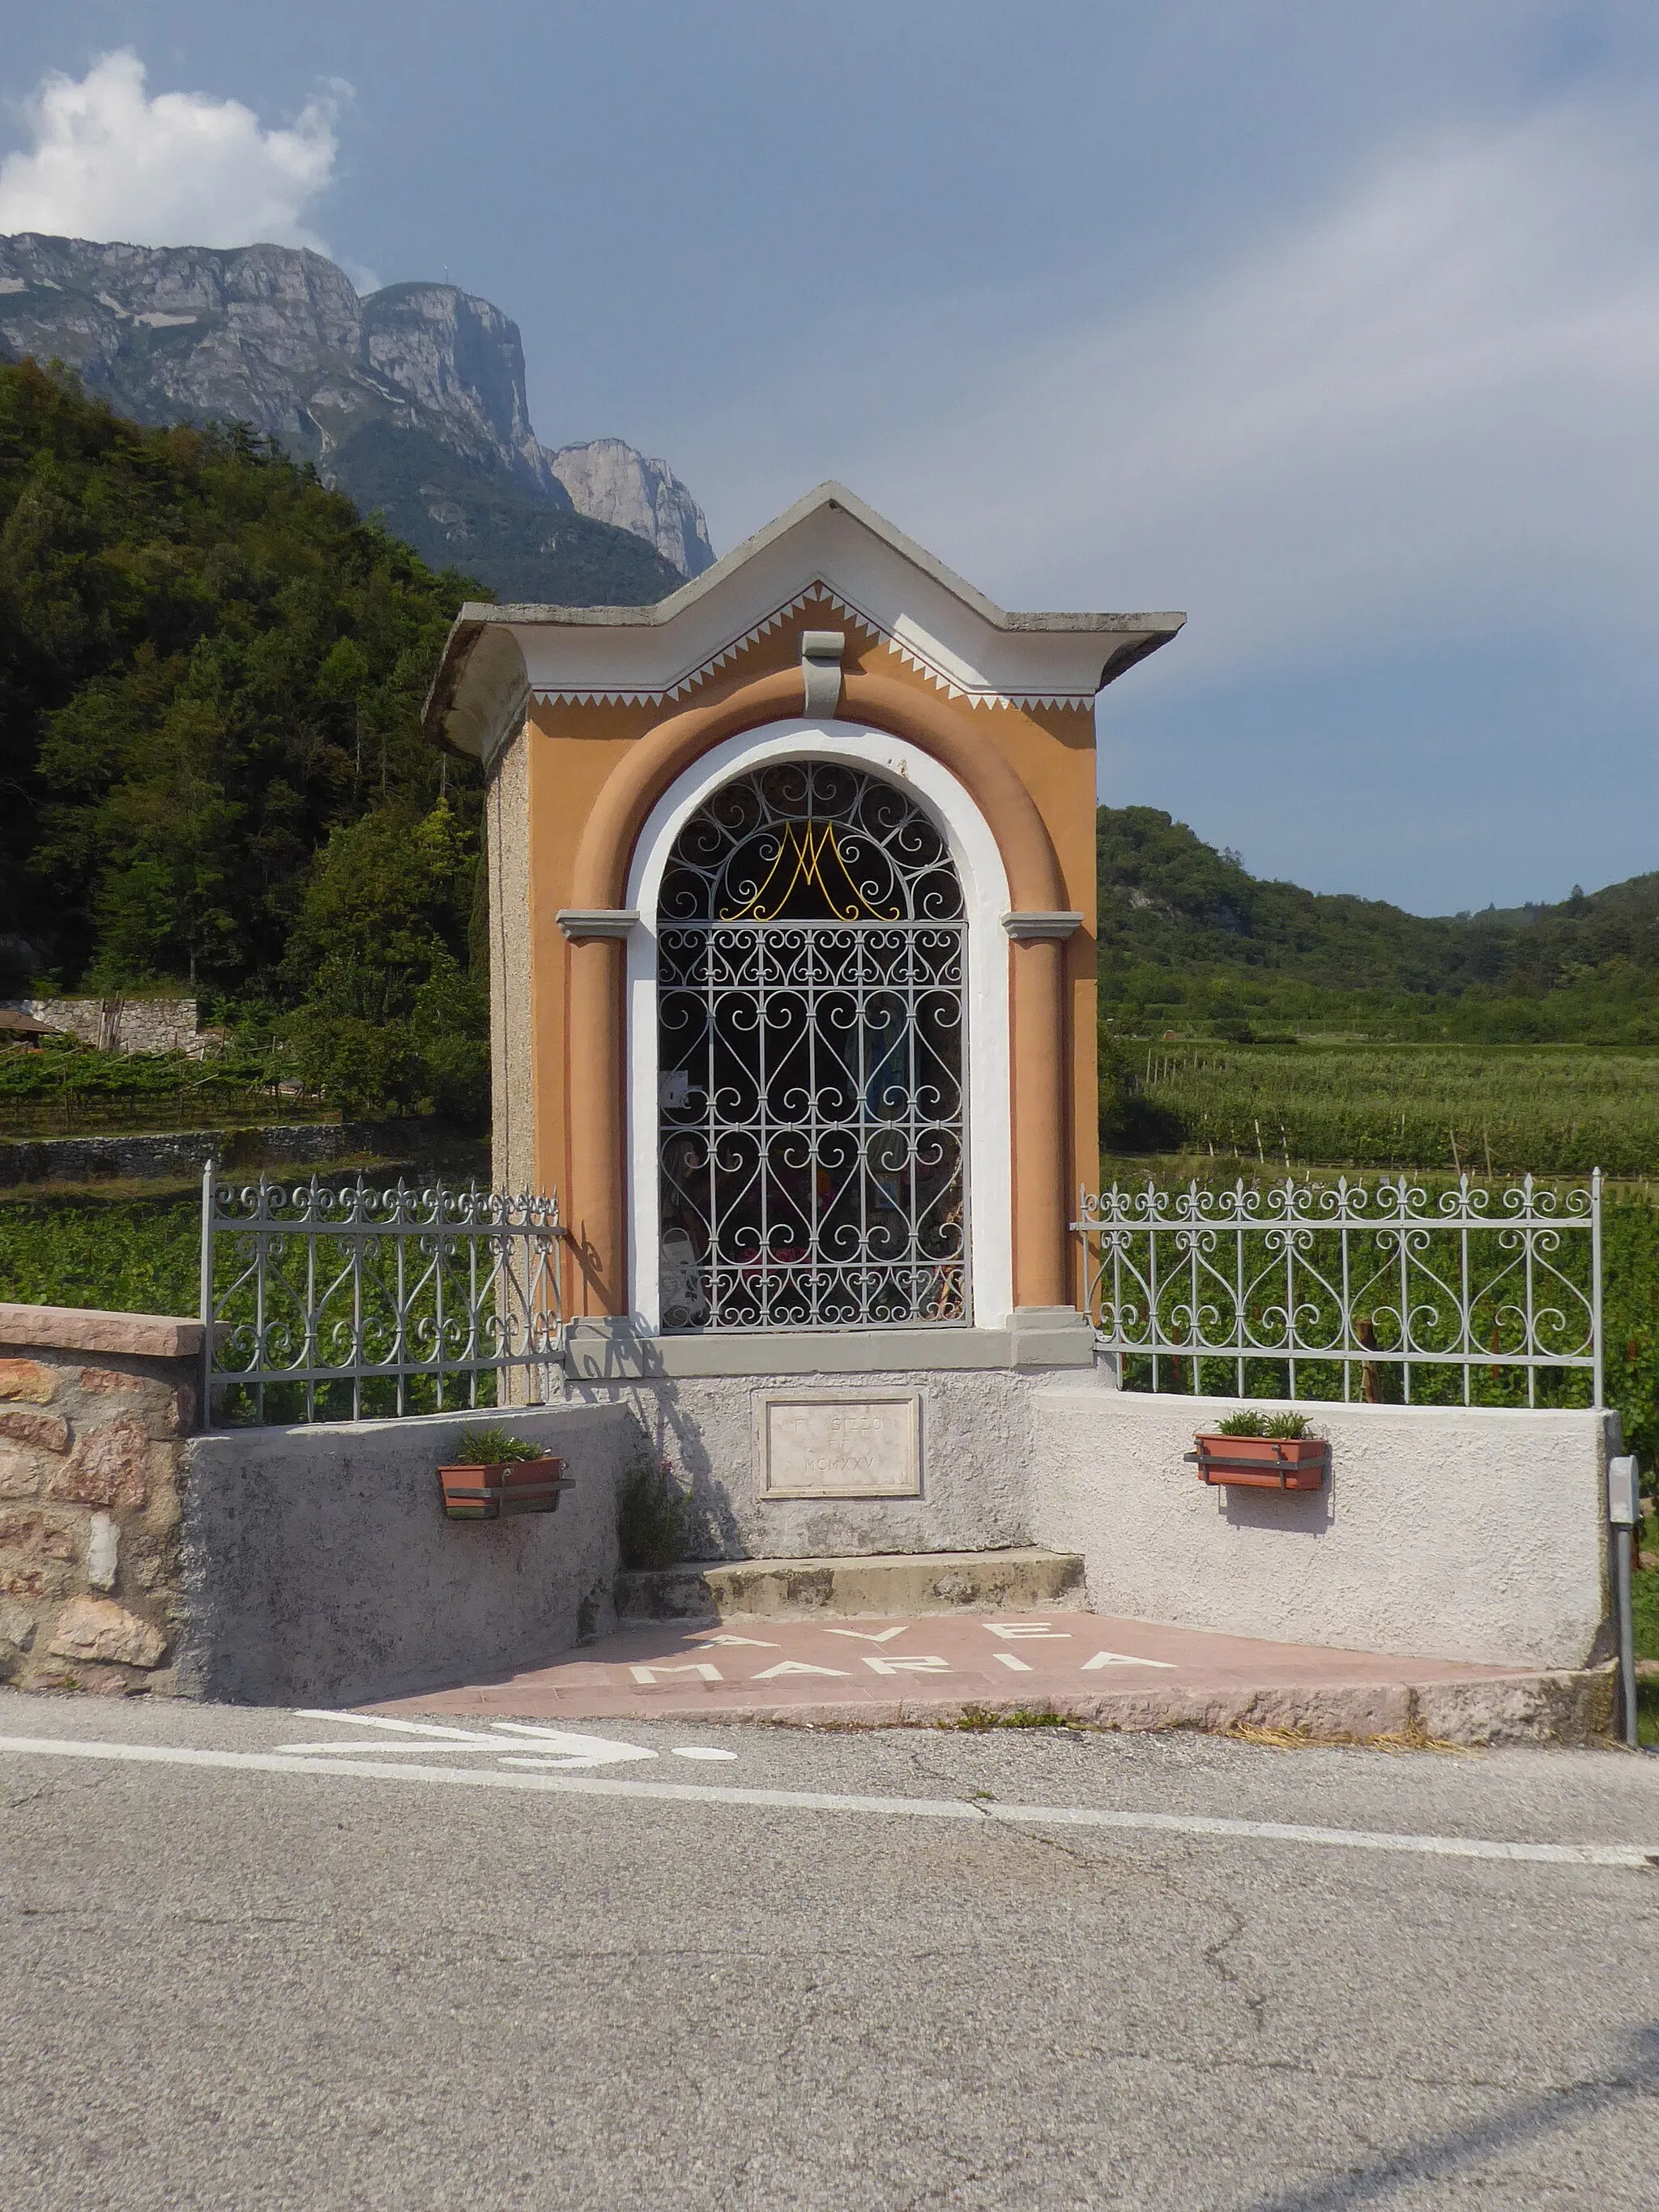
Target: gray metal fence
{"x":1348,"y":1288}
{"x":345,"y":1303}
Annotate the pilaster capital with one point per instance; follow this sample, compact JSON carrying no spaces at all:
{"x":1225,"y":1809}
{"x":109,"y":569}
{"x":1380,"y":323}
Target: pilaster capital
{"x":583,"y":924}
{"x":1024,"y":928}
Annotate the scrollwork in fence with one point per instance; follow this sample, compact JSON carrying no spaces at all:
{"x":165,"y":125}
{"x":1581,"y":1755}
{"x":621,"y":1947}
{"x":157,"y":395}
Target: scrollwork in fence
{"x":1334,"y":1282}
{"x":331,"y":1302}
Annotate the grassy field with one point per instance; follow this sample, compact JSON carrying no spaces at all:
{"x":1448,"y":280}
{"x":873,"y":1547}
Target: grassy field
{"x":129,"y":1254}
{"x":1551,"y":1109}
{"x":66,"y":1089}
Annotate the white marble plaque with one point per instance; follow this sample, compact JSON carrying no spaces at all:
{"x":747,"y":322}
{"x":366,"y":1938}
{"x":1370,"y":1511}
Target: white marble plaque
{"x":838,"y":1444}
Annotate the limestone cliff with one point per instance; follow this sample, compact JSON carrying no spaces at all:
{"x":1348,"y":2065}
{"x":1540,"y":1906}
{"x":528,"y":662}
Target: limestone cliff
{"x":411,"y":400}
{"x":610,"y":481}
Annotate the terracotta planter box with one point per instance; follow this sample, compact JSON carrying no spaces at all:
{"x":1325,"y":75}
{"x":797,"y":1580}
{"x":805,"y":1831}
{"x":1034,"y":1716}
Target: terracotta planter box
{"x":493,"y":1493}
{"x":1261,"y":1463}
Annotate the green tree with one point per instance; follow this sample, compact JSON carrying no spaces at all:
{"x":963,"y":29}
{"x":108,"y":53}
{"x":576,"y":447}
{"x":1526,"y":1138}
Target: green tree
{"x":208,"y":665}
{"x":389,"y":1019}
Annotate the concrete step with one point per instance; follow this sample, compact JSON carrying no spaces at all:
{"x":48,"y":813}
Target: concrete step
{"x":895,"y":1586}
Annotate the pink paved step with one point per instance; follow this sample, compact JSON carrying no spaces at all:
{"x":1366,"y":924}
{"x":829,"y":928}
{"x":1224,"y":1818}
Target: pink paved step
{"x":1088,"y":1666}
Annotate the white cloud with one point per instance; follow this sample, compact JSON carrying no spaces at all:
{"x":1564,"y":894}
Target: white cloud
{"x":1429,"y":411}
{"x":1423,"y":412}
{"x":181,"y":169}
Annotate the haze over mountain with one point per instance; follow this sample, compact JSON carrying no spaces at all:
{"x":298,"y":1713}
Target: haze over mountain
{"x":411,"y":400}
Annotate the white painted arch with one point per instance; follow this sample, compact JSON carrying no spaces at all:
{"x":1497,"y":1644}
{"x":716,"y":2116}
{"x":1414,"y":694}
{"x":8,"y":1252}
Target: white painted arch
{"x":985,"y":900}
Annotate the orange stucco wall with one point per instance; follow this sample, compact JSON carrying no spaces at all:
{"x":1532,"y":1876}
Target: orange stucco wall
{"x":573,"y":747}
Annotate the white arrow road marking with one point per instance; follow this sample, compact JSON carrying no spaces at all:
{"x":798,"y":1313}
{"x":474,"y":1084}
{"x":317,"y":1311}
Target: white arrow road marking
{"x":1120,"y":1659}
{"x":578,"y":1750}
{"x":574,"y":1750}
{"x":359,"y":1749}
{"x":383,"y":1721}
{"x":1645,"y":1856}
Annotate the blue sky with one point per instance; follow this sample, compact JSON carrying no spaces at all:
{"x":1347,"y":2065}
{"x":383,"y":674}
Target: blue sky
{"x":1338,"y":327}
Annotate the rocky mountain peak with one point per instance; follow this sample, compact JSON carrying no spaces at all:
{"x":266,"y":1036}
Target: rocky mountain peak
{"x":610,"y":481}
{"x":412,"y":400}
{"x":461,"y":358}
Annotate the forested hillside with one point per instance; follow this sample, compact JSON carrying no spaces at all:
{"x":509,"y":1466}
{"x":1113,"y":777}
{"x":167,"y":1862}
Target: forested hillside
{"x":411,"y":401}
{"x":210,"y":679}
{"x":1190,"y":941}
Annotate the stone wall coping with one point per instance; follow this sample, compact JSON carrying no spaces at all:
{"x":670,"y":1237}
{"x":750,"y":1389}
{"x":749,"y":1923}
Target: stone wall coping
{"x":421,"y":1431}
{"x":1356,"y":1417}
{"x":77,"y":1329}
{"x":601,"y":1349}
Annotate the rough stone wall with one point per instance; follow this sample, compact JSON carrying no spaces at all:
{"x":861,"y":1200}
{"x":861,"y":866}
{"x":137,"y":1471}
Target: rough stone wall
{"x":90,"y":1446}
{"x":512,"y":1017}
{"x":286,"y":1144}
{"x":121,"y":1024}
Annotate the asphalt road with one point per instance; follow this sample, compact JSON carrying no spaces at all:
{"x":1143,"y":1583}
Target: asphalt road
{"x":331,"y":1981}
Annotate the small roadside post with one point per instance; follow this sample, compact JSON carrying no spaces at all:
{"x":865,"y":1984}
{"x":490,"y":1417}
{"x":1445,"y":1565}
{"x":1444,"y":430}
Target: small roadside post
{"x":1622,"y":1510}
{"x":210,"y":1175}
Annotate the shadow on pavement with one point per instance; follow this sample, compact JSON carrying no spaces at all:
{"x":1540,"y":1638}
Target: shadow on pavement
{"x":1519,"y":2123}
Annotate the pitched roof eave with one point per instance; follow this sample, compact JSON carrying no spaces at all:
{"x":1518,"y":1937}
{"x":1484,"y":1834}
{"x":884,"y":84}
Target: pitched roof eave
{"x":1141,"y":634}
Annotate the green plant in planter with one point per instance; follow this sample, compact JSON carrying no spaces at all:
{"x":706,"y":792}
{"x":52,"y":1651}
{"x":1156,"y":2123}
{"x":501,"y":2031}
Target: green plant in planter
{"x":493,"y":1446}
{"x":655,"y":1517}
{"x":1290,"y":1426}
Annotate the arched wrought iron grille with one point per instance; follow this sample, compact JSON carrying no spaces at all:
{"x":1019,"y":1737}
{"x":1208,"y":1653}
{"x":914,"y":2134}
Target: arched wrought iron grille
{"x":811,"y":958}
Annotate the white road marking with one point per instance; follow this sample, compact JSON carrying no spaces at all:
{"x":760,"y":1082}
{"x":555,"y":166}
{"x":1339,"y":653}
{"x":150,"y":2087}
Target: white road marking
{"x":575,"y":1750}
{"x":1007,"y":1659}
{"x":1120,"y":1659}
{"x":358,"y":1749}
{"x":906,"y":1666}
{"x":383,"y":1721}
{"x":797,"y":1666}
{"x":703,"y":1667}
{"x":1643,"y":1857}
{"x":871,"y":1634}
{"x":1009,"y":1630}
{"x":759,"y":1643}
{"x":701,"y":1750}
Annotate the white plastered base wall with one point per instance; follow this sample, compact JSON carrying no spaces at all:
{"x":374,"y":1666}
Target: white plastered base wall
{"x":1457,"y":1532}
{"x":1442,"y":1533}
{"x":978,"y":1452}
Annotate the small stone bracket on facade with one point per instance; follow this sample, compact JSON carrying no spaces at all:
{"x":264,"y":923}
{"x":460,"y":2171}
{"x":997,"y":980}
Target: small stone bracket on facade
{"x":820,"y":666}
{"x":1023,"y":927}
{"x":582,"y":924}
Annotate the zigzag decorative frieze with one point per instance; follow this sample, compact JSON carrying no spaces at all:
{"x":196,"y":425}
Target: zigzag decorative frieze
{"x":818,"y":594}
